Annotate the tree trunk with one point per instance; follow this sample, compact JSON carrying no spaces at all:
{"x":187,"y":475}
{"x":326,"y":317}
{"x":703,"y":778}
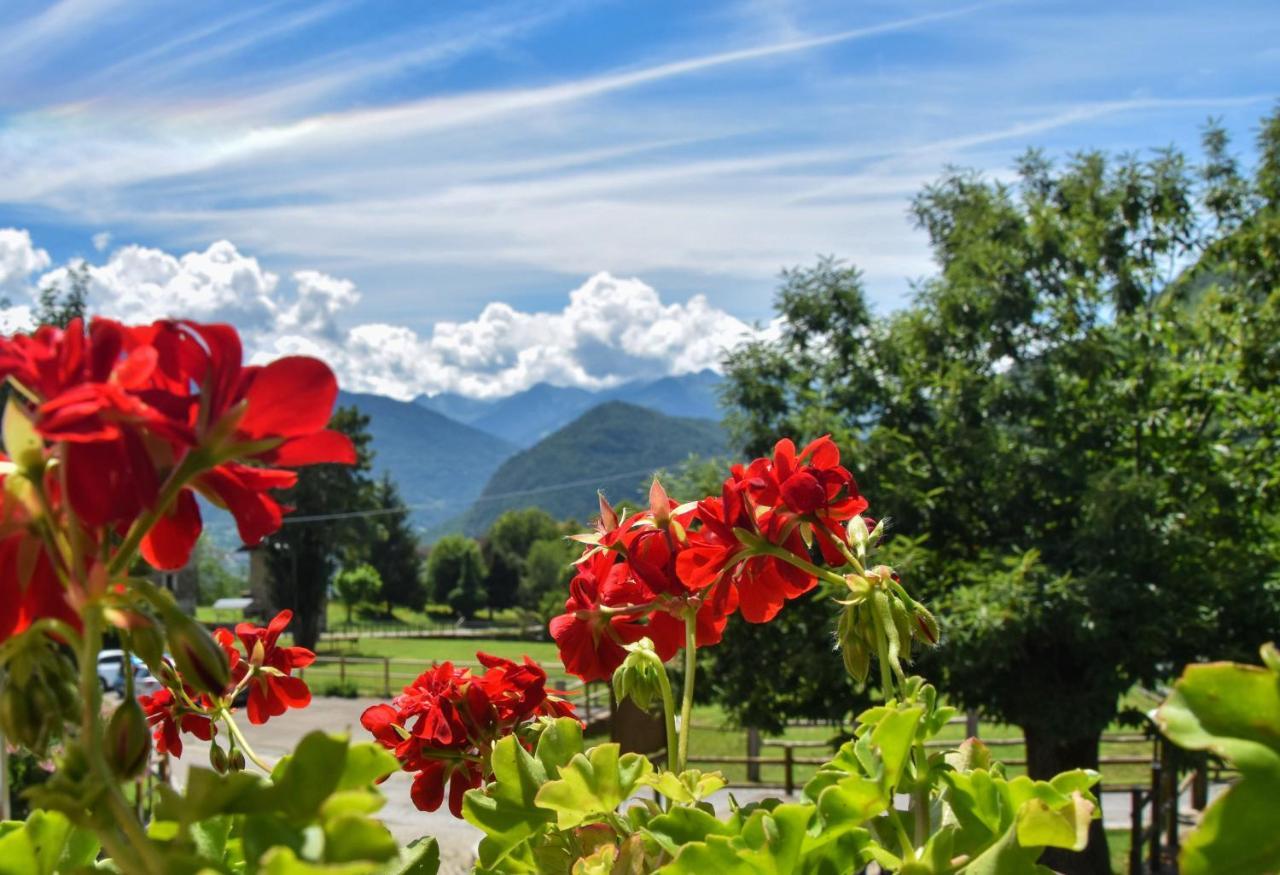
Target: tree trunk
{"x":306,"y":626}
{"x":1047,"y":755}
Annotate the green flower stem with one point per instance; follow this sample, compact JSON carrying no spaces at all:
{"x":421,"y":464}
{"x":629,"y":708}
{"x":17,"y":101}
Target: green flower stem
{"x":904,"y":840}
{"x":243,"y":743}
{"x":686,"y":706}
{"x":668,"y":711}
{"x":920,"y":794}
{"x":135,"y":853}
{"x":805,"y":565}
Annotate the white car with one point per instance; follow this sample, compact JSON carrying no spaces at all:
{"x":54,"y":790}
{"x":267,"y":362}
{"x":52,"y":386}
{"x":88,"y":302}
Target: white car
{"x":111,"y":678}
{"x":109,"y":668}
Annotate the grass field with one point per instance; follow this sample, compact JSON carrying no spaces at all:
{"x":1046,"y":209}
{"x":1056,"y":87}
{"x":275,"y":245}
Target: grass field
{"x":366,"y":673}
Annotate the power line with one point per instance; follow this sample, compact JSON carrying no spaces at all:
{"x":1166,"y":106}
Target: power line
{"x":517,"y":493}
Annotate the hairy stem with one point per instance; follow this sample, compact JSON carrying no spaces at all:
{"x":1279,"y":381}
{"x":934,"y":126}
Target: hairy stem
{"x":242,"y":743}
{"x":668,"y":713}
{"x":136,"y":848}
{"x":686,"y":705}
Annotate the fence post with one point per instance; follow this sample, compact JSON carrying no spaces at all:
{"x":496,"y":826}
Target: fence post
{"x":1200,"y":788}
{"x":342,"y":668}
{"x":586,"y":703}
{"x":386,"y":675}
{"x":1153,"y":849}
{"x":788,"y":764}
{"x":753,"y":753}
{"x":1135,"y":831}
{"x":971,"y":723}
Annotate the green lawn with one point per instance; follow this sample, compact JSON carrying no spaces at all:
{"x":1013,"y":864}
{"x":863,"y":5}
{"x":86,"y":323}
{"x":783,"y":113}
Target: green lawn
{"x":434,"y":616}
{"x":713,"y":733}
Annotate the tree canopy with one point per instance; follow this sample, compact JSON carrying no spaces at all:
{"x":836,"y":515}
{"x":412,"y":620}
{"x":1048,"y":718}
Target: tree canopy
{"x":1073,"y":424}
{"x":302,"y":556}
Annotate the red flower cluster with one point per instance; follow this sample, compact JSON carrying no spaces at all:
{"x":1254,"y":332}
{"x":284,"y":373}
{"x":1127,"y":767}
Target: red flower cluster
{"x":444,"y":725}
{"x":265,"y":668}
{"x":642,"y":576}
{"x":268,"y":667}
{"x":171,"y":716}
{"x":126,"y":412}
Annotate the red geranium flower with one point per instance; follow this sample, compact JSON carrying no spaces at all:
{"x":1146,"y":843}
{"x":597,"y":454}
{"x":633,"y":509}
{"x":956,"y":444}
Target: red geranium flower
{"x":272,"y":689}
{"x":763,"y":583}
{"x":444,"y":725}
{"x":591,"y":640}
{"x":812,"y":484}
{"x":169,"y":714}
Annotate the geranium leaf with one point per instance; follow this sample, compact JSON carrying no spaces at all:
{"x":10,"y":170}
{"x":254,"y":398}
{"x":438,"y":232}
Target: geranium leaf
{"x":593,"y":784}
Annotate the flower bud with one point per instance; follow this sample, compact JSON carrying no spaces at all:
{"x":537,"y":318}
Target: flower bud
{"x":236,"y":761}
{"x":128,"y":742}
{"x":640,"y":675}
{"x":201,"y":662}
{"x":217,"y":757}
{"x":926,"y":623}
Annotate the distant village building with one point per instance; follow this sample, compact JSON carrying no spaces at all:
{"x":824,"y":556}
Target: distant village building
{"x":183,"y":583}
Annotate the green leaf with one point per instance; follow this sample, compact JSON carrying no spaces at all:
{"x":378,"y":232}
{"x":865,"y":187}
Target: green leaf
{"x":593,"y":784}
{"x":771,"y":843}
{"x":46,"y":843}
{"x":505,"y":809}
{"x":688,"y":787}
{"x":304,"y":781}
{"x":283,"y":861}
{"x":560,"y":742}
{"x":1006,"y":857}
{"x":852,"y":801}
{"x":209,"y":794}
{"x":352,"y":802}
{"x":1066,"y":826}
{"x":683,"y":825}
{"x":1234,"y":711}
{"x":365,"y":765}
{"x":210,"y":836}
{"x":894,"y":736}
{"x":421,"y":857}
{"x":352,"y":838}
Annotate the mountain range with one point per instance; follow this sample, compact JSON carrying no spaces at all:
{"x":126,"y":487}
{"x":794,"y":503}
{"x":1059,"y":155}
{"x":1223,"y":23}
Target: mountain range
{"x":457,"y":459}
{"x":613,"y":447}
{"x":527,"y":417}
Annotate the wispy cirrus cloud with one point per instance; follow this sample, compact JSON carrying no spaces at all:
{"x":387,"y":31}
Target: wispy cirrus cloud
{"x":435,"y":154}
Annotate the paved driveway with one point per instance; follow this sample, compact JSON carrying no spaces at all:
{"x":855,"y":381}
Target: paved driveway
{"x":274,"y":739}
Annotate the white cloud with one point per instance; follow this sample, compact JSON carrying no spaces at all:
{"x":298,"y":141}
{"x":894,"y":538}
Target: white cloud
{"x":102,"y":240}
{"x":611,"y":329}
{"x":19,"y":258}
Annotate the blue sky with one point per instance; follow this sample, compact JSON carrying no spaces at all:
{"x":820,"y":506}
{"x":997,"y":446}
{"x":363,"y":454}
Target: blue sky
{"x":440,"y":157}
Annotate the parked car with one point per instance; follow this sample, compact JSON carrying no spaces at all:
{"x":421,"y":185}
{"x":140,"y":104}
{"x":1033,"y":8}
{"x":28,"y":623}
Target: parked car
{"x":109,"y":668}
{"x":144,"y":683}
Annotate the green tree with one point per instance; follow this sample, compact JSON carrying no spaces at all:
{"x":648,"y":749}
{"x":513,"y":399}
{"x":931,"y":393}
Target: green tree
{"x":217,"y":580}
{"x":58,"y":305}
{"x":548,"y":568}
{"x":356,"y":585}
{"x":1071,"y":422}
{"x":505,"y":547}
{"x":303,"y":555}
{"x":394,"y":553}
{"x":456,"y":574}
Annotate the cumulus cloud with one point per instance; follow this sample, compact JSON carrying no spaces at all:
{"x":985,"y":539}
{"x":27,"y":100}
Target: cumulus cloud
{"x":19,"y":259}
{"x":102,"y":240}
{"x":611,"y":329}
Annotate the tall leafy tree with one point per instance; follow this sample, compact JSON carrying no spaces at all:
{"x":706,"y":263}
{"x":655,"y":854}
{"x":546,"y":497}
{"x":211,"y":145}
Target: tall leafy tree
{"x":506,"y":546}
{"x":303,"y":556}
{"x":59,"y":304}
{"x":456,"y":574}
{"x":394,"y":549}
{"x":356,"y":585}
{"x":1072,"y":418}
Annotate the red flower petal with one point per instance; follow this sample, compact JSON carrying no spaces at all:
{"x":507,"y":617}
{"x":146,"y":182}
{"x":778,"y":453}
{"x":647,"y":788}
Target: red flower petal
{"x":169,"y":544}
{"x":291,"y":396}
